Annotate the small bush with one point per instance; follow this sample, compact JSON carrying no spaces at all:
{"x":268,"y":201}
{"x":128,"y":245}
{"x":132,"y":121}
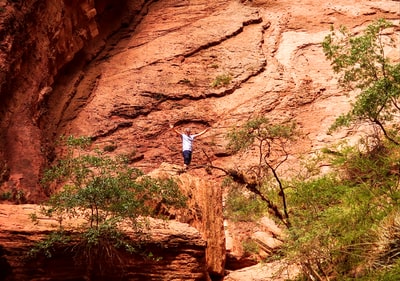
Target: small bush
{"x":250,"y":247}
{"x":221,"y":80}
{"x":107,"y":193}
{"x":241,"y":207}
{"x":7,"y":195}
{"x":110,"y":148}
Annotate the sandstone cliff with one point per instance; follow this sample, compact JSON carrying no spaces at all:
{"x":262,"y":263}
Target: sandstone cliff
{"x":177,"y":252}
{"x":122,"y":71}
{"x":40,"y":40}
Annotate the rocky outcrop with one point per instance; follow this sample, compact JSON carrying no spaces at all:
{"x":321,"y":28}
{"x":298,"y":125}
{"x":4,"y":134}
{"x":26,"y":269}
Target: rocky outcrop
{"x":173,"y":251}
{"x":179,"y":252}
{"x":122,"y":73}
{"x":39,"y":39}
{"x":204,"y":212}
{"x":198,"y":64}
{"x":266,"y":236}
{"x":274,"y":271}
{"x":191,"y":63}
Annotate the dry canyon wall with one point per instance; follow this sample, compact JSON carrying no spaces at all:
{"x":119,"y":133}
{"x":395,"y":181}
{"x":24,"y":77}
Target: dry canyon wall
{"x":122,"y":71}
{"x":41,"y":39}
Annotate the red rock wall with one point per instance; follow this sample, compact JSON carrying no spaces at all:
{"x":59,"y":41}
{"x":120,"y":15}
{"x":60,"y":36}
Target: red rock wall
{"x":178,"y":252}
{"x":184,"y":260}
{"x":39,"y":40}
{"x":205,"y":214}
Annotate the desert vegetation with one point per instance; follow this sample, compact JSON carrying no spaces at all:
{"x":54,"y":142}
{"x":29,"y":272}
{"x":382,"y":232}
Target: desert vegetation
{"x":343,"y":224}
{"x":103,"y":197}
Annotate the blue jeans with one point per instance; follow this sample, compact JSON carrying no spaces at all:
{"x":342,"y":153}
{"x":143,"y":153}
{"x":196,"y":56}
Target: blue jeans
{"x":187,"y":157}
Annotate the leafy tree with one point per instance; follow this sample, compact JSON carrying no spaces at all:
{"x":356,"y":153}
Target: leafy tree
{"x":107,"y":193}
{"x":340,"y":227}
{"x":270,"y":141}
{"x":363,"y":64}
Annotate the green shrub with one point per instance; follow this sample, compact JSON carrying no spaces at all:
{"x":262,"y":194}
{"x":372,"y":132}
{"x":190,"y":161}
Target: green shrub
{"x":7,"y":195}
{"x":241,"y":207}
{"x":362,"y":63}
{"x":336,"y":217}
{"x":270,"y":140}
{"x":110,"y":148}
{"x":106,"y":192}
{"x":221,"y":80}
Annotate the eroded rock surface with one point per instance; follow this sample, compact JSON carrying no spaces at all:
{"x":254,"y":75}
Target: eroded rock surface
{"x":122,"y":73}
{"x":40,"y":40}
{"x":163,"y":72}
{"x":172,"y":251}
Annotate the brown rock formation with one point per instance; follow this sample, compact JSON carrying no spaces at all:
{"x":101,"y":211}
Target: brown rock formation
{"x":121,"y":71}
{"x":178,"y":252}
{"x":204,"y":212}
{"x":39,"y":39}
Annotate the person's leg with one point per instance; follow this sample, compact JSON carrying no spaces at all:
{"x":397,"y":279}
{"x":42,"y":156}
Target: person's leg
{"x":187,"y":157}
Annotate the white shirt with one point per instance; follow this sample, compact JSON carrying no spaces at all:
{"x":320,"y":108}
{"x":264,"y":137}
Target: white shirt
{"x":187,"y":142}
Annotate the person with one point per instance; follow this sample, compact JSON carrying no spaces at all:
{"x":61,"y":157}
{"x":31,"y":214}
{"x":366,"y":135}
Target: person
{"x":187,"y":143}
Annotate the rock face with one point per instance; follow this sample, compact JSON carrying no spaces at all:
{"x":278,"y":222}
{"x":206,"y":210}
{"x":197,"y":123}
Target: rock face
{"x":40,"y":39}
{"x":191,"y":63}
{"x":204,"y":212}
{"x":122,"y":71}
{"x":177,"y":252}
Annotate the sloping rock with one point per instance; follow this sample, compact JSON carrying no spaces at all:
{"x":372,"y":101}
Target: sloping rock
{"x":263,"y":236}
{"x":266,"y":242}
{"x":276,"y":271}
{"x":38,"y":39}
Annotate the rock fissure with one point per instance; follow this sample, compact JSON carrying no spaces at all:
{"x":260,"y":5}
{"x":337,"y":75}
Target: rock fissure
{"x":223,"y":39}
{"x":116,"y":128}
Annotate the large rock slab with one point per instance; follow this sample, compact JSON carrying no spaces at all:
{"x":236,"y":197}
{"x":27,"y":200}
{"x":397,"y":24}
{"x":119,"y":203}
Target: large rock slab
{"x":178,"y":251}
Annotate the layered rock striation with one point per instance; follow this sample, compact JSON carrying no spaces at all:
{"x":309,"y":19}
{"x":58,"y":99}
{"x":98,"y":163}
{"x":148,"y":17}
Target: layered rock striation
{"x":122,"y":71}
{"x":171,"y":251}
{"x":40,"y":40}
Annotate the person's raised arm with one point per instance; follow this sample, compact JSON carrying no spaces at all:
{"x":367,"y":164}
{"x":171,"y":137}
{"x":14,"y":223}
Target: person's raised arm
{"x":202,"y":132}
{"x":175,"y":130}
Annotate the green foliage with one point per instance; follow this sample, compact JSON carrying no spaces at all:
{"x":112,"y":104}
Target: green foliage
{"x":7,"y":195}
{"x":242,"y":207}
{"x":105,"y":192}
{"x":110,"y":148}
{"x":262,"y":130}
{"x":16,"y":196}
{"x":388,"y":274}
{"x":362,"y":63}
{"x":270,"y":141}
{"x":221,"y":80}
{"x":49,"y":245}
{"x":336,"y":217}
